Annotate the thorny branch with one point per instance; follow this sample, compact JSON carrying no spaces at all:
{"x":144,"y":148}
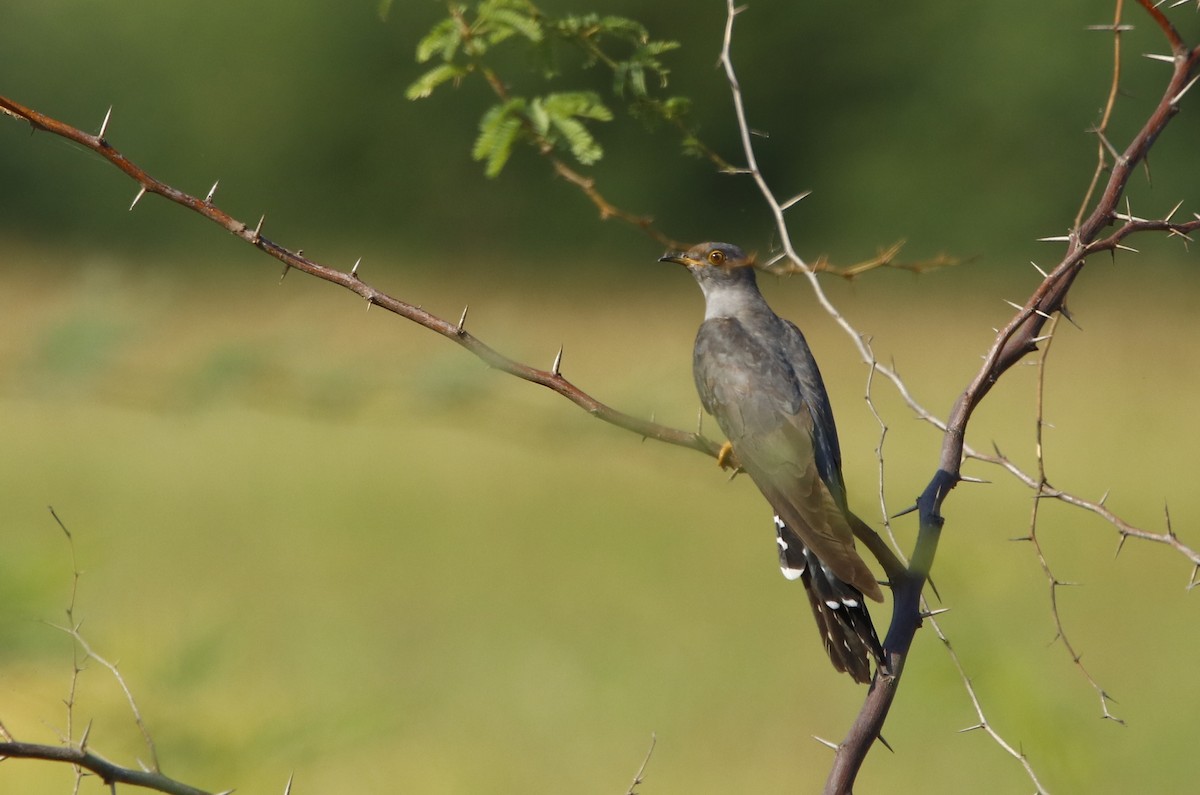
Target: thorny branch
{"x":108,"y":772}
{"x":551,"y":379}
{"x":76,"y":752}
{"x":1035,"y":513}
{"x":608,"y":210}
{"x":1018,"y":338}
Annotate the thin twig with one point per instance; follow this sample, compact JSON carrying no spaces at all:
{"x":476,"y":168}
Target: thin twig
{"x":640,"y":776}
{"x":1012,"y":343}
{"x":983,"y":724}
{"x":354,"y":282}
{"x":1053,"y":583}
{"x":108,"y":772}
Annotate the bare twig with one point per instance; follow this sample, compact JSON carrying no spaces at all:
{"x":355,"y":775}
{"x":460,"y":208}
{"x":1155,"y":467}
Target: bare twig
{"x":640,"y":776}
{"x":984,"y":725}
{"x":1015,"y":340}
{"x":353,"y":281}
{"x":108,"y":772}
{"x":1019,"y":337}
{"x":1052,"y":581}
{"x":76,"y":752}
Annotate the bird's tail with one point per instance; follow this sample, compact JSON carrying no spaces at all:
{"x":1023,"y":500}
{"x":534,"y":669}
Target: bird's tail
{"x":842,"y":618}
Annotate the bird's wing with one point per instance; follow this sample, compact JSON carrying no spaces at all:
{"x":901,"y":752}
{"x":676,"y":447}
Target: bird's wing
{"x":825,"y":439}
{"x":758,"y":402}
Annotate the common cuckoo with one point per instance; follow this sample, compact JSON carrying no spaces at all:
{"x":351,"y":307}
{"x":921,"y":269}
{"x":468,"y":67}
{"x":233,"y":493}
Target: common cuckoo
{"x":757,"y":377}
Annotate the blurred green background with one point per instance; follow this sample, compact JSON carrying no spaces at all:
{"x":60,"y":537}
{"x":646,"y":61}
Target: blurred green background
{"x":325,"y":541}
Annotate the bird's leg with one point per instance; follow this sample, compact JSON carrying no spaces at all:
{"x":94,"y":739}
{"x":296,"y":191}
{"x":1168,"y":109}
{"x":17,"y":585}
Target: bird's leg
{"x":726,"y":458}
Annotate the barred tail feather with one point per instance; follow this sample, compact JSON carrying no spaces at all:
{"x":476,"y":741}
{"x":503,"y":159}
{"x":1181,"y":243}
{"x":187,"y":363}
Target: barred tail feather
{"x":842,"y":617}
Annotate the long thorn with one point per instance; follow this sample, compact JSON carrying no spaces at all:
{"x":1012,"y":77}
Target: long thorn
{"x":795,"y":200}
{"x":1175,"y":99}
{"x":825,"y":742}
{"x":137,"y":198}
{"x":104,"y":124}
{"x":554,"y":368}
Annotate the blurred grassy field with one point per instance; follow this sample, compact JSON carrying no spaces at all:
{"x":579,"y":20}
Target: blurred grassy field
{"x":324,"y":541}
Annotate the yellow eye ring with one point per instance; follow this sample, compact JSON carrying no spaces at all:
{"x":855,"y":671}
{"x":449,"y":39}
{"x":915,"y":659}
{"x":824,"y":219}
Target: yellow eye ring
{"x":716,"y":257}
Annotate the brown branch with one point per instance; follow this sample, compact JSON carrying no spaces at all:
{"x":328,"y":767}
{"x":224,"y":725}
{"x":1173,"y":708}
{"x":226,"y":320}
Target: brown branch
{"x":551,"y":379}
{"x":545,"y":147}
{"x":109,"y":772}
{"x":1018,"y":338}
{"x":607,"y":209}
{"x":1124,"y":529}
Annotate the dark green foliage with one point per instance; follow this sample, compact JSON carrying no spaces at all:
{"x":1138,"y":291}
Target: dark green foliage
{"x":556,"y":121}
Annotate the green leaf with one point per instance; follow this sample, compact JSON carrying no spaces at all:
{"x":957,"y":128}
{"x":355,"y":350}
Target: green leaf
{"x":628,"y":29}
{"x":444,"y":38}
{"x":581,"y":143}
{"x":505,"y":22}
{"x":538,"y":116}
{"x":424,"y":85}
{"x":585,"y":104}
{"x":498,"y":132}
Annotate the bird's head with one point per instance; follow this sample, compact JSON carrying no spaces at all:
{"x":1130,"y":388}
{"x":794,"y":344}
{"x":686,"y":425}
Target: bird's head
{"x":726,"y":277}
{"x":715,"y":264}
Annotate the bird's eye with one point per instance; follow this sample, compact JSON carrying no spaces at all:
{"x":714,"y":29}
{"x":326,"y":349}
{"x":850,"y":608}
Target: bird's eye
{"x":716,"y":257}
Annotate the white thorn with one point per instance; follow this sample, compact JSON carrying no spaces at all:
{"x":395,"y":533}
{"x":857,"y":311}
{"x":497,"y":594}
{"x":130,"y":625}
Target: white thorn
{"x":138,"y":198}
{"x":287,"y":790}
{"x":971,"y":479}
{"x":1175,"y":99}
{"x":258,"y":229}
{"x":1174,"y":210}
{"x":1040,"y":313}
{"x":212,"y":192}
{"x":104,"y":124}
{"x":1042,"y":338}
{"x":1156,"y":57}
{"x":775,"y":258}
{"x":1131,"y":218}
{"x":1039,"y":270}
{"x":463,"y":319}
{"x":1017,"y":307}
{"x":825,"y":742}
{"x":1128,"y":248}
{"x":1055,"y":239}
{"x":795,"y":199}
{"x":354,"y":270}
{"x":557,"y":362}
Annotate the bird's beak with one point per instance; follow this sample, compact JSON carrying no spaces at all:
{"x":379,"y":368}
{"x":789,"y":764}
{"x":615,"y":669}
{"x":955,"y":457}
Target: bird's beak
{"x":678,"y":257}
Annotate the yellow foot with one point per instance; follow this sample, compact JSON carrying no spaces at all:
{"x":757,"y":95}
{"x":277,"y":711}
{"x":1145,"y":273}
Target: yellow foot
{"x":726,"y":459}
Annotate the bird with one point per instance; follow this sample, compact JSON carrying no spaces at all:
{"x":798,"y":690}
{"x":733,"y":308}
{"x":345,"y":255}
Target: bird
{"x":757,"y":377}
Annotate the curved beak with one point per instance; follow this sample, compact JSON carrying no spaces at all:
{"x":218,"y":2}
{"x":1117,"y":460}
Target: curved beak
{"x":677,"y":257}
